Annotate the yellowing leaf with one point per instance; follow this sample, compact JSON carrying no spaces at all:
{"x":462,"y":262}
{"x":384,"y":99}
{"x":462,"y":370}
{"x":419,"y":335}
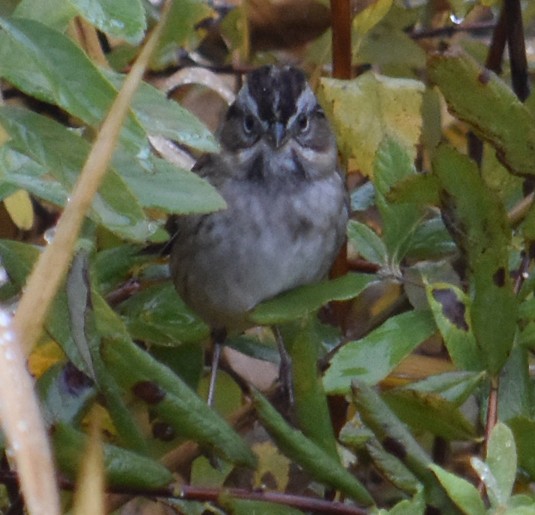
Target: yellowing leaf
{"x":366,"y":19}
{"x":43,"y":357}
{"x":272,"y":466}
{"x":368,"y":109}
{"x":20,"y":209}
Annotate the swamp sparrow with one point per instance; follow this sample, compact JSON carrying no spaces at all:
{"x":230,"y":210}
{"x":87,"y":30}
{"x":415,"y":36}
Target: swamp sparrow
{"x":287,"y":204}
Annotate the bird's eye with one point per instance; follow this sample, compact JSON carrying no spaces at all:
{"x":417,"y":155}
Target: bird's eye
{"x":248,"y":124}
{"x":303,"y":122}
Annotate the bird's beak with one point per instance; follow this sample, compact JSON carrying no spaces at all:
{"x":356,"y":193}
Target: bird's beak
{"x":277,"y":133}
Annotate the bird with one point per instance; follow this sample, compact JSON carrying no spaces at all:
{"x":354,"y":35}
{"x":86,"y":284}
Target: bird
{"x":287,"y":205}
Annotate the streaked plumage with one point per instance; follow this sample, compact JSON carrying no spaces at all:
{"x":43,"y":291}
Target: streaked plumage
{"x":287,"y":203}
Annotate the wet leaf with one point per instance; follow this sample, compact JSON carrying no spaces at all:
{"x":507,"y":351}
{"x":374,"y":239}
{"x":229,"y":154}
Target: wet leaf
{"x":119,"y":18}
{"x":502,"y":461}
{"x":164,"y":117}
{"x":64,"y":153}
{"x":49,"y":56}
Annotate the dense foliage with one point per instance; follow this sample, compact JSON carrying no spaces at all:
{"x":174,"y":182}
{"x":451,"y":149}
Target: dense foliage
{"x":423,"y":390}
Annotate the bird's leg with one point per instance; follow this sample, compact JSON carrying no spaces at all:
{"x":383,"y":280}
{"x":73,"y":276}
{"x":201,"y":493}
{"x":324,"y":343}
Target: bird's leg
{"x":285,"y":368}
{"x":218,"y":339}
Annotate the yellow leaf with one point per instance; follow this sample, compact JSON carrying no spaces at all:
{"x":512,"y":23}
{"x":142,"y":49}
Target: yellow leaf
{"x":273,"y":467}
{"x":366,"y":110}
{"x":43,"y":357}
{"x":20,"y":209}
{"x":366,"y":19}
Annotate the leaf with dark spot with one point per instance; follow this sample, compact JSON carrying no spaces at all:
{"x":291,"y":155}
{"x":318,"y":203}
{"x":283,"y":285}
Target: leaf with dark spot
{"x":148,"y":391}
{"x":484,"y":244}
{"x":452,"y":308}
{"x":394,"y":447}
{"x":163,"y":431}
{"x":499,"y":277}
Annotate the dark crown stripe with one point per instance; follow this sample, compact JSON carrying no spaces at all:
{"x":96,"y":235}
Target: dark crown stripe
{"x":275,"y":91}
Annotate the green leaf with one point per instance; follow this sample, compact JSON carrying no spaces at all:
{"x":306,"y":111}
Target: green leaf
{"x":64,"y":153}
{"x":303,"y":342}
{"x":304,"y":300}
{"x":123,"y":467}
{"x":19,"y":171}
{"x":396,"y":439}
{"x":119,"y":18}
{"x":478,"y":96}
{"x":455,"y":387}
{"x":524,"y":428}
{"x":18,"y":259}
{"x":431,"y":412}
{"x":478,"y":222}
{"x":173,"y":401}
{"x":366,"y":242}
{"x":179,"y":31}
{"x":159,"y":184}
{"x":431,"y":241}
{"x":320,"y":464}
{"x":393,"y":164}
{"x":158,"y":315}
{"x":373,"y":357}
{"x":389,"y":45}
{"x":451,"y":309}
{"x":516,"y":393}
{"x":51,"y":56}
{"x":463,"y":493}
{"x":113,"y":266}
{"x":392,"y":468}
{"x":54,"y":13}
{"x":414,"y":506}
{"x":502,"y":461}
{"x":421,"y":189}
{"x":164,"y":117}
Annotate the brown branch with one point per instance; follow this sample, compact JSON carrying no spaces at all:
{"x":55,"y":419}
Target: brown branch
{"x":517,"y":48}
{"x":341,"y":38}
{"x":203,"y":494}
